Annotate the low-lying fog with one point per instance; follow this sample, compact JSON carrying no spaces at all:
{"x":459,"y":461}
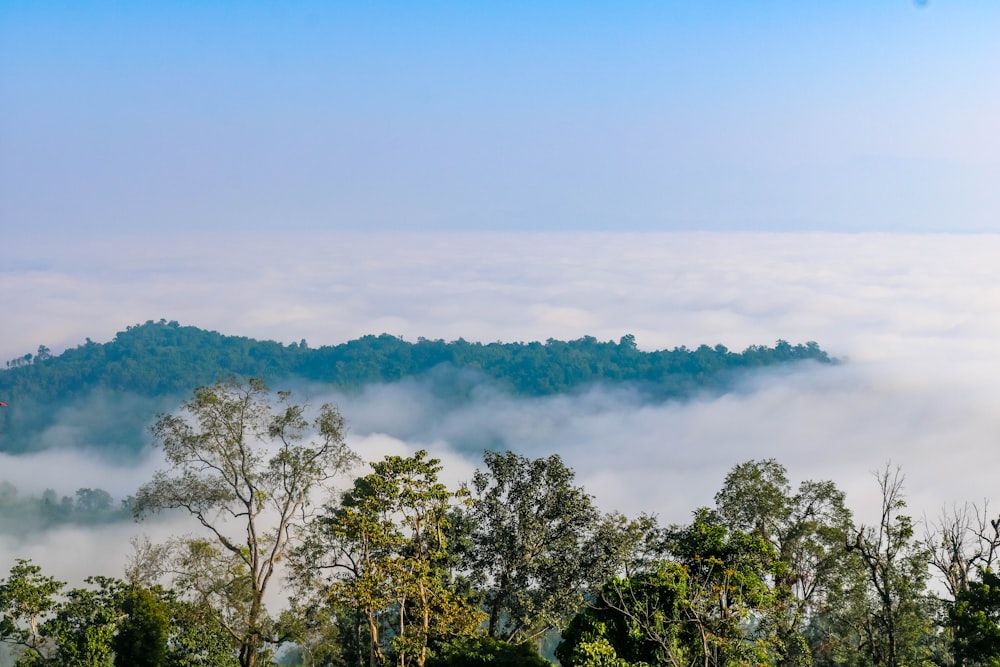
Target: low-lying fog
{"x":915,"y":319}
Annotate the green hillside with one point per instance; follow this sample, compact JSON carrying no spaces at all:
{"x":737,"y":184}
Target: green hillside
{"x":148,"y":366}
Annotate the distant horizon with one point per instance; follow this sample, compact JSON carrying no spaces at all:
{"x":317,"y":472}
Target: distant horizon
{"x":331,"y":286}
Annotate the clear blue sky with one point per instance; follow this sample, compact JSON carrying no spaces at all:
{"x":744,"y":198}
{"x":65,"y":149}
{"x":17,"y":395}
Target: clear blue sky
{"x":697,"y":115}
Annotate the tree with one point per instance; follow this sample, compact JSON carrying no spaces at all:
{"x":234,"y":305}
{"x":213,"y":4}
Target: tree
{"x":895,"y":567}
{"x":322,"y":636}
{"x":93,"y":502}
{"x":635,"y":620}
{"x":248,"y":474}
{"x":84,"y":627}
{"x":141,"y":640}
{"x":27,"y":600}
{"x":963,"y":545}
{"x":85,"y":624}
{"x":727,"y":573}
{"x":385,"y":546}
{"x":806,"y":529}
{"x":531,"y":548}
{"x":197,"y":637}
{"x":484,"y":651}
{"x":695,"y":608}
{"x":975,"y":621}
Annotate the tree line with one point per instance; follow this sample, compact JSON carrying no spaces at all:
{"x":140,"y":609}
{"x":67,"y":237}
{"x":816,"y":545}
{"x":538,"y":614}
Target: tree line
{"x":21,"y":513}
{"x":389,"y":566}
{"x":157,"y":363}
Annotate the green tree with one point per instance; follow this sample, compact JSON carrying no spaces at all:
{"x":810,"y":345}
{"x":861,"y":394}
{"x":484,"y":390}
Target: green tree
{"x":150,"y":363}
{"x":247,"y":473}
{"x":637,"y":620}
{"x":975,"y":621}
{"x":896,"y":620}
{"x":484,"y":651}
{"x":142,"y":636}
{"x":807,"y":530}
{"x":385,"y":548}
{"x":962,"y":543}
{"x":532,"y":544}
{"x":197,"y":637}
{"x":27,"y":601}
{"x":321,"y":634}
{"x":695,"y":609}
{"x":85,"y":624}
{"x":727,"y":574}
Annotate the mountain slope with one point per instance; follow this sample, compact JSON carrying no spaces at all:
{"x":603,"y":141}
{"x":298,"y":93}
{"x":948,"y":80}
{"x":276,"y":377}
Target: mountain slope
{"x":148,"y":367}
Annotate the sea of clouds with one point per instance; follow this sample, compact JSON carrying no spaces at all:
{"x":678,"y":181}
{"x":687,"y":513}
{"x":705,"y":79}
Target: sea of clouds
{"x":915,"y":320}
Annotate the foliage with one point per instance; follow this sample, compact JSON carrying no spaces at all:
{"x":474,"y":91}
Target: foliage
{"x":142,"y":636}
{"x":530,"y":552}
{"x":975,"y":620}
{"x":635,"y":621}
{"x":246,"y":473}
{"x":695,"y":608}
{"x":401,"y":570}
{"x":894,"y":621}
{"x":197,"y":637}
{"x":484,"y":651}
{"x":387,"y":550}
{"x":85,"y":624}
{"x":321,"y":634}
{"x":807,"y":531}
{"x":596,"y":651}
{"x":149,"y":366}
{"x":727,"y":574}
{"x":108,"y":623}
{"x":27,"y":601}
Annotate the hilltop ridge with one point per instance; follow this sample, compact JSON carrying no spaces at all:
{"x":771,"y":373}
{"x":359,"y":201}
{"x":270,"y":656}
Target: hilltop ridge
{"x":155,"y":362}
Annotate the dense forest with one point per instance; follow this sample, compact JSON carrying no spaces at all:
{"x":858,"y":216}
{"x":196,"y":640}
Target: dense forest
{"x":148,"y":368}
{"x":395,"y":568}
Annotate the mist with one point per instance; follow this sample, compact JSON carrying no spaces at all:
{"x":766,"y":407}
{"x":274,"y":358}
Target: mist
{"x":912,"y":318}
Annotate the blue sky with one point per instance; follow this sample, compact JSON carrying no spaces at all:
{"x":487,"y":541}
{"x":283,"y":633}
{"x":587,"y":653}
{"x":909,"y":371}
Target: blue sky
{"x":847,"y":115}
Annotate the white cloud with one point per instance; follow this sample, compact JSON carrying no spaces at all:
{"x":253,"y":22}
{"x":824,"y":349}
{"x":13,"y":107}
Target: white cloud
{"x":915,"y":317}
{"x":65,"y":471}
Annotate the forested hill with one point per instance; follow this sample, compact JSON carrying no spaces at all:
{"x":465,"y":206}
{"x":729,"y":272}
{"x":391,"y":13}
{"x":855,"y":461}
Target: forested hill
{"x":155,"y":361}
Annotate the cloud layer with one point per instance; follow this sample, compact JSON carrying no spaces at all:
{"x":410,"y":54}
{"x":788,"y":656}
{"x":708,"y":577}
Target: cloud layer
{"x":914,"y":318}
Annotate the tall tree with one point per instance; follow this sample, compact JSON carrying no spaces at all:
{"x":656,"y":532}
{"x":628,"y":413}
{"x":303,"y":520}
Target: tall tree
{"x":962,"y":542}
{"x":86,"y":622}
{"x":692,"y":609}
{"x":248,"y":474}
{"x":384,"y":548}
{"x":531,"y":544}
{"x":142,"y":636}
{"x":895,"y":565}
{"x":637,"y":619}
{"x":27,"y":601}
{"x":806,"y":529}
{"x":975,"y":621}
